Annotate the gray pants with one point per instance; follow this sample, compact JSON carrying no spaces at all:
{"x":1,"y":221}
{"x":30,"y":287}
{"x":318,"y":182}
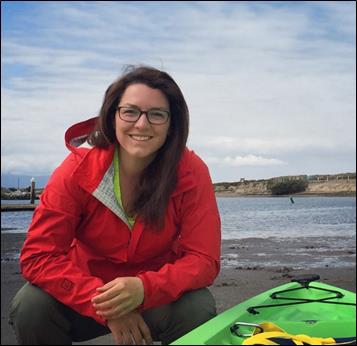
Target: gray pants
{"x":39,"y":319}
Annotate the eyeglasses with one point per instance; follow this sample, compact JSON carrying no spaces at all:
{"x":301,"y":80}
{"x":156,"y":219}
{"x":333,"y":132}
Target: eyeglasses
{"x":154,"y":116}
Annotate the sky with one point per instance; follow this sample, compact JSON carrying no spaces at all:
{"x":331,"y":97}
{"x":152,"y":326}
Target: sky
{"x":270,"y":85}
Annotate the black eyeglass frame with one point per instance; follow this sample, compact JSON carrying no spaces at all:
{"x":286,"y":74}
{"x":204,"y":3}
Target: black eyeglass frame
{"x":146,"y":114}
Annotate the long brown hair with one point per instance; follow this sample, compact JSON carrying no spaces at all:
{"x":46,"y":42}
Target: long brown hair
{"x":158,"y":180}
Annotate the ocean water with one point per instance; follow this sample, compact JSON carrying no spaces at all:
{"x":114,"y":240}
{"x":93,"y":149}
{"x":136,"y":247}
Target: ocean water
{"x":312,"y":232}
{"x":261,"y":217}
{"x":16,"y":222}
{"x":265,"y":217}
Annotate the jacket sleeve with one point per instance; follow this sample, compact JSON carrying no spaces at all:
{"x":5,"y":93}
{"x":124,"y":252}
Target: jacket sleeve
{"x":198,"y":246}
{"x":43,"y":259}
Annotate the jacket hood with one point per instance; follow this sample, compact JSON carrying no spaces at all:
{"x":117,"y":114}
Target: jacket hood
{"x":77,"y":134}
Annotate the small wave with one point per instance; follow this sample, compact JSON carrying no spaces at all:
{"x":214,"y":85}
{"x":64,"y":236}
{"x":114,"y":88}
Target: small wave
{"x":10,"y":257}
{"x":13,"y":230}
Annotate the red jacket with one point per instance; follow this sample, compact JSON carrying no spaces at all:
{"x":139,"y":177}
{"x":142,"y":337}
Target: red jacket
{"x":78,"y":239}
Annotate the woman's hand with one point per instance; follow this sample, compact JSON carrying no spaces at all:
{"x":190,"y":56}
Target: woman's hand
{"x":130,"y":329}
{"x":118,"y":297}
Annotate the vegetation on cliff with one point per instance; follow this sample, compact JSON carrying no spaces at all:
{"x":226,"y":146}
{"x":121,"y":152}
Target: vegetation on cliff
{"x":287,"y":187}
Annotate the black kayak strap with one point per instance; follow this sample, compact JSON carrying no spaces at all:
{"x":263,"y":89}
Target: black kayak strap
{"x":275,"y":295}
{"x":252,"y":309}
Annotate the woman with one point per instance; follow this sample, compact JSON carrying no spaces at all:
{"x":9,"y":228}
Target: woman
{"x":126,"y":237}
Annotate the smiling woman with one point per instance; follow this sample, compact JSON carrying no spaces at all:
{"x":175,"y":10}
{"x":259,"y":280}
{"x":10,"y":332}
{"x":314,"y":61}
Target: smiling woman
{"x":126,"y":238}
{"x":147,"y":89}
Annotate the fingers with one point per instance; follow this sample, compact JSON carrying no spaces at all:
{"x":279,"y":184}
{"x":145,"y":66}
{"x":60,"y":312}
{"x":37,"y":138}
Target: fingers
{"x":116,"y":291}
{"x":107,"y":295}
{"x":127,"y":339}
{"x":145,"y":332}
{"x":122,"y":339}
{"x":132,"y":337}
{"x":117,"y":311}
{"x":108,"y":304}
{"x":109,"y":285}
{"x":138,"y":338}
{"x":135,"y":337}
{"x":130,"y":329}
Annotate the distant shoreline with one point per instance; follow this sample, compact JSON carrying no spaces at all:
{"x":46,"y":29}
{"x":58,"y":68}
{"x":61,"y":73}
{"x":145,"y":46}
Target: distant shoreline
{"x":329,"y":186}
{"x":233,"y":194}
{"x":227,"y":194}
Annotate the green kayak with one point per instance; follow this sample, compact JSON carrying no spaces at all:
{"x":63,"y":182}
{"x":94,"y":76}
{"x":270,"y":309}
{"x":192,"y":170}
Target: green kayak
{"x":302,"y":306}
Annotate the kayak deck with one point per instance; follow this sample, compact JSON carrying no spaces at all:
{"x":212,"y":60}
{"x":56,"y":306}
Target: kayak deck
{"x":316,"y":311}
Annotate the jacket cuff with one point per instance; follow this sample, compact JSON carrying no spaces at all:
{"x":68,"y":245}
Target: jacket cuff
{"x":147,"y":292}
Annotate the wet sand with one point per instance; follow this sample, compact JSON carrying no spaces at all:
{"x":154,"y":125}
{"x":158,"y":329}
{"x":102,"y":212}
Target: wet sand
{"x":249,"y":266}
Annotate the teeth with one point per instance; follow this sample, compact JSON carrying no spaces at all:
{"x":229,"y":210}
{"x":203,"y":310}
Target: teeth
{"x":140,"y":138}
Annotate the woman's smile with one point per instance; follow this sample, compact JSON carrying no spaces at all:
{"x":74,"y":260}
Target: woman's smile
{"x":140,"y":138}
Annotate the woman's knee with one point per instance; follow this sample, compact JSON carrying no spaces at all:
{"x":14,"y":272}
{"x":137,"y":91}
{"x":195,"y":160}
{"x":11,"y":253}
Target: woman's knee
{"x":31,"y":306}
{"x":196,"y":307}
{"x":169,"y":322}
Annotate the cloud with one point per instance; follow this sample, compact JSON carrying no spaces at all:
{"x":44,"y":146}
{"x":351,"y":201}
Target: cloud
{"x":264,"y":81}
{"x":21,"y":164}
{"x":247,"y":160}
{"x":279,"y":145}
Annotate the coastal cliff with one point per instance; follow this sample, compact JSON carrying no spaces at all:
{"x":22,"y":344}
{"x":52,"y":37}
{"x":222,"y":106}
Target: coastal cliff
{"x":339,"y":185}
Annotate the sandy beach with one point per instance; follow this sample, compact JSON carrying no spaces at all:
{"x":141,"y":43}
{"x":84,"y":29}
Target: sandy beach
{"x":249,"y":266}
